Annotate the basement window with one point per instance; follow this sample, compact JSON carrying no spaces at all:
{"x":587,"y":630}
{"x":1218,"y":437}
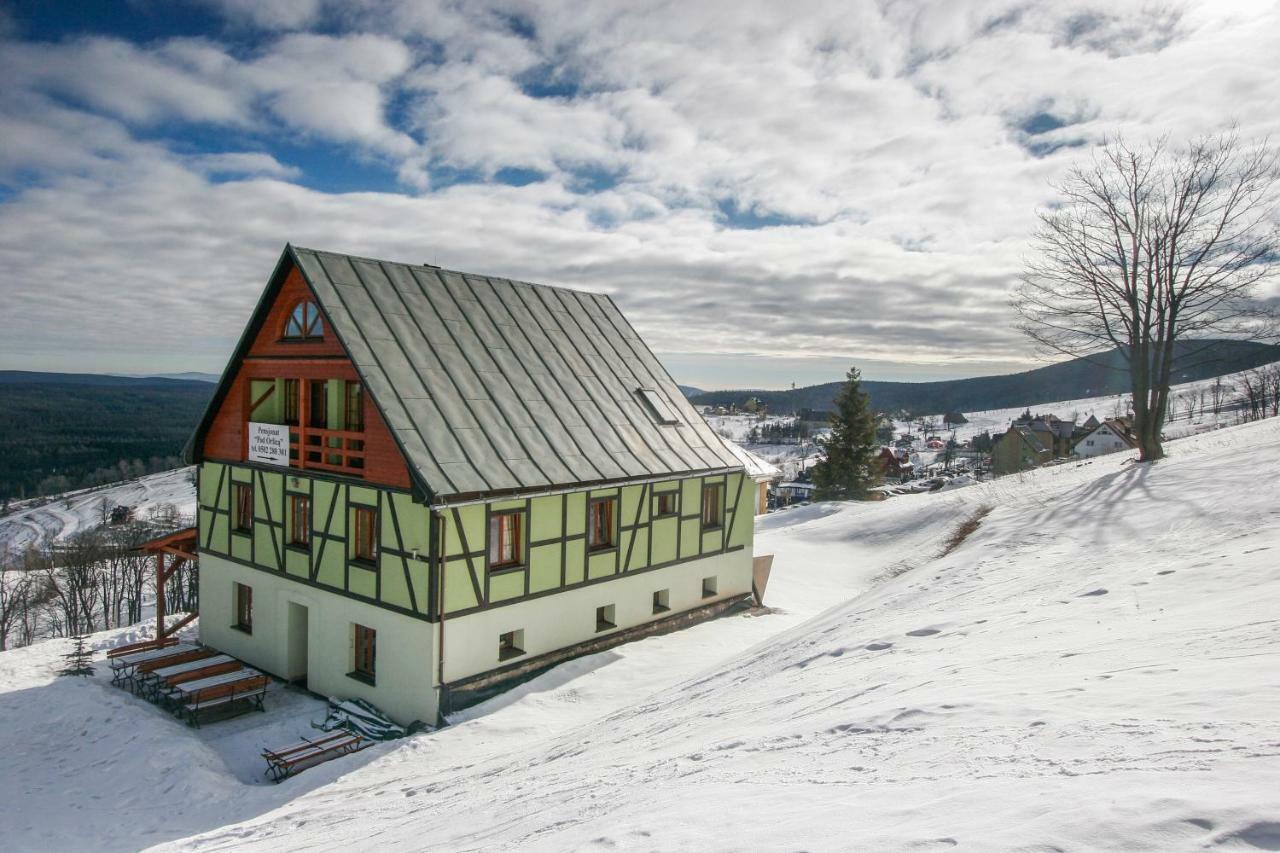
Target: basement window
{"x":661,"y":600}
{"x":605,"y":618}
{"x":709,"y":587}
{"x":657,"y":406}
{"x":511,"y":644}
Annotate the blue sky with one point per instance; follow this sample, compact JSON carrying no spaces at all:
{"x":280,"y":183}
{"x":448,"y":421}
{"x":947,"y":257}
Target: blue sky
{"x":771,"y":192}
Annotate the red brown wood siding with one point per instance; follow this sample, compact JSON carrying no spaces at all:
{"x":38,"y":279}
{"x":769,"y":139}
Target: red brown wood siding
{"x":269,"y":357}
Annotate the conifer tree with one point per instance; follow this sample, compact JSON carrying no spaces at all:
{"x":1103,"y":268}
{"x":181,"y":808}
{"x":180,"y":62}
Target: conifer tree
{"x":79,"y":661}
{"x":850,"y":468}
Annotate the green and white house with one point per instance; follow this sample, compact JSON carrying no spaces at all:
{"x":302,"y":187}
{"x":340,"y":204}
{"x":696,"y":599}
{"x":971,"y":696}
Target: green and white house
{"x":417,"y":484}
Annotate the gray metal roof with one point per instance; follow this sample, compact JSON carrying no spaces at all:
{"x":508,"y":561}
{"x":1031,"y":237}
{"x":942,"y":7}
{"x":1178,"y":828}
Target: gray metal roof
{"x":492,"y":385}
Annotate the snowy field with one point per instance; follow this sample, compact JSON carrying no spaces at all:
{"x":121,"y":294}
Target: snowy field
{"x":39,"y":521}
{"x":1115,"y":405}
{"x":1097,"y":667}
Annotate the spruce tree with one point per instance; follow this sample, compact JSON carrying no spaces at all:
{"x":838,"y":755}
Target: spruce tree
{"x":850,"y":468}
{"x":79,"y":661}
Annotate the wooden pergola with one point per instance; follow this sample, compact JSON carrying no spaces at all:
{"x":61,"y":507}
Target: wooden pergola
{"x":172,"y":551}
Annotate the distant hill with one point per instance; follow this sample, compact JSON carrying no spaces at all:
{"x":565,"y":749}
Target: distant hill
{"x":190,"y":374}
{"x":1063,"y":381}
{"x":689,"y":391}
{"x":60,"y":431}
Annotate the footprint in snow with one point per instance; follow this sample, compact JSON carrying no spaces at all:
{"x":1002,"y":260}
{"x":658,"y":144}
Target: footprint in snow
{"x":1093,"y":592}
{"x":879,"y":647}
{"x":1166,"y":572}
{"x":923,"y":632}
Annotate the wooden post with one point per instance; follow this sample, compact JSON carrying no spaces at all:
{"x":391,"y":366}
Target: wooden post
{"x":160,"y":579}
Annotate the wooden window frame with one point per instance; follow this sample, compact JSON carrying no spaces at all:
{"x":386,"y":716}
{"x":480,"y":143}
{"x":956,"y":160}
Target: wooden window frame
{"x":498,"y":539}
{"x":352,"y":406}
{"x":659,"y":497}
{"x":242,"y":522}
{"x":362,"y":536}
{"x":364,"y":658}
{"x":243,"y":594}
{"x":713,"y":500}
{"x":593,"y":545}
{"x":299,"y":528}
{"x":311,"y":319}
{"x":292,"y":392}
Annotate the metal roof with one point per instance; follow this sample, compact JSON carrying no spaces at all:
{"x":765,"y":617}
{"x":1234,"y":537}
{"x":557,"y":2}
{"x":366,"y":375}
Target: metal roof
{"x":491,"y":385}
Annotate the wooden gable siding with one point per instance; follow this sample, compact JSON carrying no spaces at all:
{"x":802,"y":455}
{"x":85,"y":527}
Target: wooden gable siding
{"x":268,"y":358}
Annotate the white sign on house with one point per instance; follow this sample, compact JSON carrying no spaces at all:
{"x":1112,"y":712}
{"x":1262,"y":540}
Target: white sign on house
{"x":269,"y":443}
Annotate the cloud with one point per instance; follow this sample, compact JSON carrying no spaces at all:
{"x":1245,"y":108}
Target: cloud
{"x":802,"y":181}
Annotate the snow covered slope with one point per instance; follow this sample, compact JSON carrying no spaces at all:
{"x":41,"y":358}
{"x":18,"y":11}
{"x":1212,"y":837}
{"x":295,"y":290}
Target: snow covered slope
{"x":1096,"y":667}
{"x":40,"y":520}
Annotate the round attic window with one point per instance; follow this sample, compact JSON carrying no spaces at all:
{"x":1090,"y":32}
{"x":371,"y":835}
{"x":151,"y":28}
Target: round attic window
{"x":304,"y":322}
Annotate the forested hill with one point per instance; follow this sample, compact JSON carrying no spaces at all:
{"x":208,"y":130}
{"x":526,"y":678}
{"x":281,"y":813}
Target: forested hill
{"x":61,"y":431}
{"x":1063,"y":381}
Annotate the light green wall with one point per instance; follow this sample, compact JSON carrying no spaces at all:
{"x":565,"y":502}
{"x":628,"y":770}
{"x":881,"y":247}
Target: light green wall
{"x":401,"y":579}
{"x":557,"y":561}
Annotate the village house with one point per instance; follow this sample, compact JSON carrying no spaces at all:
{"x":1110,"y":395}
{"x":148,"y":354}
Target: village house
{"x":761,"y":471}
{"x":896,"y":465}
{"x":417,"y":484}
{"x":1019,"y":449}
{"x":1112,"y":435}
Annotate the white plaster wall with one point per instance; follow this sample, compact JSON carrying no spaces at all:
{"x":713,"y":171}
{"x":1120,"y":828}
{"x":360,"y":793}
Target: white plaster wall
{"x":555,"y":621}
{"x":404,"y":683}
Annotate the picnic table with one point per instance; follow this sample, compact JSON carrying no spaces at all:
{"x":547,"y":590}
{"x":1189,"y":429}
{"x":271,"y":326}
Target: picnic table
{"x":157,"y":680}
{"x":201,"y":694}
{"x":143,"y":646}
{"x":283,"y":763}
{"x":123,"y":666}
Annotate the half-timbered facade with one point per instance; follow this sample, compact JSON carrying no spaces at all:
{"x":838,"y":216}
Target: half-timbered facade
{"x":412,"y":479}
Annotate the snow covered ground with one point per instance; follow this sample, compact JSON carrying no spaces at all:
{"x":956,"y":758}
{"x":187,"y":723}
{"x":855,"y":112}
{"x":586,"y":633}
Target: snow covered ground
{"x":1097,"y":667}
{"x":42,"y":520}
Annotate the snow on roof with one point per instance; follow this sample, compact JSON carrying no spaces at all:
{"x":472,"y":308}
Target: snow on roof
{"x":757,"y":467}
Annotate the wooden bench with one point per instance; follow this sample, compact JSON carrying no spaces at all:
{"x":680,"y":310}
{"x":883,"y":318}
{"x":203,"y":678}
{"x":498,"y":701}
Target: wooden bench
{"x":242,"y":685}
{"x":124,"y":666}
{"x":157,"y":682}
{"x":283,"y":763}
{"x":143,"y":670}
{"x":143,"y":646}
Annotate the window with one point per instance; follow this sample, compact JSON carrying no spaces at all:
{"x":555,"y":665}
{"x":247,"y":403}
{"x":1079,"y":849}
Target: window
{"x":711,"y":500}
{"x":366,"y":653}
{"x":665,"y":504}
{"x":318,"y":414}
{"x":510,"y":645}
{"x":661,"y":600}
{"x":300,"y":520}
{"x":709,"y":587}
{"x":506,"y":540}
{"x":291,"y":402}
{"x":657,"y":406}
{"x":604,"y":618}
{"x":244,"y":507}
{"x":304,"y":322}
{"x":244,"y":608}
{"x":365,"y":539}
{"x":353,"y":405}
{"x":600,"y":531}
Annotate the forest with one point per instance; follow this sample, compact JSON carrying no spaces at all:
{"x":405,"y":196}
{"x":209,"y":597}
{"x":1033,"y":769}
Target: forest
{"x":69,"y":431}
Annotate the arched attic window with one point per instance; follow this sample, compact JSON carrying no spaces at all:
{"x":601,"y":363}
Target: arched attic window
{"x":304,"y":322}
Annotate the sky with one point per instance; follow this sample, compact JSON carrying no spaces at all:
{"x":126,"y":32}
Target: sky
{"x":771,"y":192}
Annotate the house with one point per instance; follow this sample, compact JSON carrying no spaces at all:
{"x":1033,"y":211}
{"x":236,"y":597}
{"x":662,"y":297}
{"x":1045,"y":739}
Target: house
{"x":1018,"y":449}
{"x":761,"y":472}
{"x":416,"y":485}
{"x":786,"y":494}
{"x":1111,"y":435}
{"x":896,"y":464}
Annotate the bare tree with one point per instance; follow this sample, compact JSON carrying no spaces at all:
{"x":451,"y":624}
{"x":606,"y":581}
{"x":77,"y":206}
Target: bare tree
{"x":1148,"y":248}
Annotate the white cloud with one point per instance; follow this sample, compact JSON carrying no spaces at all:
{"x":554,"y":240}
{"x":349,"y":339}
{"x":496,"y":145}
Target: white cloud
{"x":911,"y":143}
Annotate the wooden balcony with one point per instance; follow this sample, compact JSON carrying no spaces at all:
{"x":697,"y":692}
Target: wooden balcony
{"x":335,"y":450}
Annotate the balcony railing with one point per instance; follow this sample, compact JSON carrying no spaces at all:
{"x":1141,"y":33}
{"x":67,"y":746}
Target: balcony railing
{"x":336,"y":450}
